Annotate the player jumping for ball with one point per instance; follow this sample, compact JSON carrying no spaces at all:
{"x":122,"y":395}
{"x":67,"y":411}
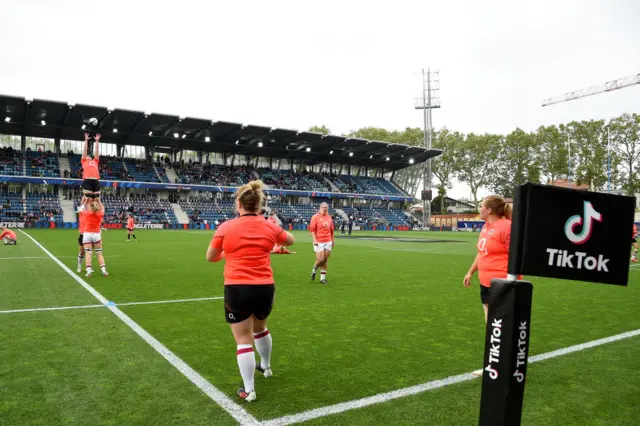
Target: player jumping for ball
{"x":321,"y":229}
{"x":90,"y":170}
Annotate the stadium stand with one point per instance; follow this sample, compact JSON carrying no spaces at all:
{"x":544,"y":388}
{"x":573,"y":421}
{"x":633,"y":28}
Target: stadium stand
{"x":146,"y":208}
{"x":42,"y":164}
{"x":11,"y":162}
{"x":365,"y":185}
{"x":11,"y":207}
{"x":200,"y":209}
{"x":213,"y":174}
{"x":288,"y":179}
{"x":43,"y":207}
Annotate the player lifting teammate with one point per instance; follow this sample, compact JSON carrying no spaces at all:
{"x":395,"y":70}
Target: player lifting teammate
{"x":321,"y":229}
{"x":245,"y":243}
{"x":91,"y":237}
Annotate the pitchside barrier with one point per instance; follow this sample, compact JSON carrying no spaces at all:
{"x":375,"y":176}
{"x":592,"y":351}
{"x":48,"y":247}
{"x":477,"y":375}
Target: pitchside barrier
{"x":558,"y":233}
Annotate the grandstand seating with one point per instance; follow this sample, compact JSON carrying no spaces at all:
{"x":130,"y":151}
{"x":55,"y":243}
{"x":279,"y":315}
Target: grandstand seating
{"x":141,"y":170}
{"x":127,"y":169}
{"x":11,"y":162}
{"x":11,"y":207}
{"x":201,"y":209}
{"x":364,"y":216}
{"x":213,"y":174}
{"x":365,"y":185}
{"x":42,"y":164}
{"x":42,"y":207}
{"x":146,"y":208}
{"x":288,"y":179}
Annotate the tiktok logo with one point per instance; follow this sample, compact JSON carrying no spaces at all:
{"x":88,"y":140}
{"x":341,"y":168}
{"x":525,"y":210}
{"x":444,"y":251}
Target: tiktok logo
{"x":586,"y":221}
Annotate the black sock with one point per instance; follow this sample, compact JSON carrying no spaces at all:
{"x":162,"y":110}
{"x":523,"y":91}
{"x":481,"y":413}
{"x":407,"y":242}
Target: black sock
{"x":128,"y":236}
{"x":134,"y":237}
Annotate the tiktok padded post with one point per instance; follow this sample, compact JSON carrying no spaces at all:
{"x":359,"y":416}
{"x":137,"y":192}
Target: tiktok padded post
{"x":506,"y":352}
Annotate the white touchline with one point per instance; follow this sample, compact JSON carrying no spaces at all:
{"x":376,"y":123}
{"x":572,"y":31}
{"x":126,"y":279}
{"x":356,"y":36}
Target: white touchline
{"x":231,"y":407}
{"x":153,"y":302}
{"x":60,"y":308}
{"x":169,"y":301}
{"x":23,"y":258}
{"x":435,"y":384}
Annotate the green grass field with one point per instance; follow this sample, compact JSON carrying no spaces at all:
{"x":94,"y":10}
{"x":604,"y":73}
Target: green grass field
{"x":394,"y":315}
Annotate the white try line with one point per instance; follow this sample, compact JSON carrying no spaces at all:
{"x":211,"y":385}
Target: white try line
{"x":46,"y":257}
{"x":231,"y":407}
{"x":435,"y":384}
{"x":110,"y":303}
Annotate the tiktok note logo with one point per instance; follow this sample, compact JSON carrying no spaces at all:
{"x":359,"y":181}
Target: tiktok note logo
{"x":586,"y":221}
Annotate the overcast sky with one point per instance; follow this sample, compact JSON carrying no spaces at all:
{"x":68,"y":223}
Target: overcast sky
{"x":345,"y":64}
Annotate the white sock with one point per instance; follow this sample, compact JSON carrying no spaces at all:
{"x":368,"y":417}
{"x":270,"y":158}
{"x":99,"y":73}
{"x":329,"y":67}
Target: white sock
{"x":104,"y":269}
{"x":80,"y":259}
{"x":247,"y":365}
{"x":264,"y":343}
{"x":315,"y":268}
{"x":323,"y":275}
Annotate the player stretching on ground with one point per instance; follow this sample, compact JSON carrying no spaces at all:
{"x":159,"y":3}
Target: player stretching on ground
{"x":634,"y":243}
{"x":131,"y":225}
{"x":9,"y":237}
{"x":92,"y":238}
{"x":321,"y":229}
{"x":245,"y":242}
{"x":90,"y":170}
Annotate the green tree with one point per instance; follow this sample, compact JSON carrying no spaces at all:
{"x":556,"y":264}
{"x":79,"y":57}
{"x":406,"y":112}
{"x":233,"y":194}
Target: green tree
{"x":320,"y":129}
{"x":553,"y":152}
{"x":625,"y":134}
{"x":478,"y":155}
{"x":517,"y":162}
{"x":590,"y":152}
{"x":445,"y":166}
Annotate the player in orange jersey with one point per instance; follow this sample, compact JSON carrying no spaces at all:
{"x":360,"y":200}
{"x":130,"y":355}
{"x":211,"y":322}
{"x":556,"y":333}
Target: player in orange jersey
{"x":272,"y":218}
{"x":493,"y":246}
{"x":9,"y":237}
{"x":493,"y":249}
{"x":322,"y":228}
{"x":245,"y":243}
{"x":634,"y":243}
{"x":90,"y":169}
{"x":80,"y":240}
{"x":92,"y":238}
{"x":131,"y":225}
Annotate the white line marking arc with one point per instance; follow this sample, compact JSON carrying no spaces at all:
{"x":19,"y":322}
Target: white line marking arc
{"x":231,"y":407}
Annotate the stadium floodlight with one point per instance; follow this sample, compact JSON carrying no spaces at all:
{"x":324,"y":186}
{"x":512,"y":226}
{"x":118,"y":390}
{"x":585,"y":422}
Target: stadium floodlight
{"x":150,"y":133}
{"x":207,"y":139}
{"x":184,"y":135}
{"x":308,"y":149}
{"x":387,"y":158}
{"x":84,"y":126}
{"x":44,"y":123}
{"x":370,"y":157}
{"x":351,"y":154}
{"x":7,"y":119}
{"x":331,"y":152}
{"x":175,"y":135}
{"x":115,"y":130}
{"x":237,"y":142}
{"x":260,"y":144}
{"x":410,"y":160}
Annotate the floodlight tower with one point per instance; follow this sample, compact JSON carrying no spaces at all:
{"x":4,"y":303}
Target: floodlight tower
{"x":429,"y":100}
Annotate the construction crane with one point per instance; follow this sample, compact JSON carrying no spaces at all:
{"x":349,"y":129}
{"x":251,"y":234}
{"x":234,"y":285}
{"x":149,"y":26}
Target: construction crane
{"x":594,"y":90}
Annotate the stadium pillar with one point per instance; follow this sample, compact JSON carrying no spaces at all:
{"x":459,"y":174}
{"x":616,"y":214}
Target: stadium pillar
{"x":23,"y":143}
{"x":271,"y":162}
{"x":56,"y":144}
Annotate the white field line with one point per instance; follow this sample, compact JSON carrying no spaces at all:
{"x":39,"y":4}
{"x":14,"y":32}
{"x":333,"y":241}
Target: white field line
{"x":435,"y":384}
{"x":46,"y":257}
{"x":153,"y":302}
{"x":231,"y":407}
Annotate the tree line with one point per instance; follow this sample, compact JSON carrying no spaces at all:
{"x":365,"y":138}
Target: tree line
{"x":580,"y":151}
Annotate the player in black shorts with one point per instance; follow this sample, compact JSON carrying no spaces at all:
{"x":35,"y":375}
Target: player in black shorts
{"x":246,"y":243}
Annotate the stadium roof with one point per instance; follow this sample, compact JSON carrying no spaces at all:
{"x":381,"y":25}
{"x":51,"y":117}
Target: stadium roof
{"x":60,"y":120}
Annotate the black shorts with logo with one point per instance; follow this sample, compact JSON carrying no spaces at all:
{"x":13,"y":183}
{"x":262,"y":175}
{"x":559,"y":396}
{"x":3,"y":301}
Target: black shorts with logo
{"x":91,"y":185}
{"x":242,"y":300}
{"x":485,"y":293}
{"x":80,"y":240}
